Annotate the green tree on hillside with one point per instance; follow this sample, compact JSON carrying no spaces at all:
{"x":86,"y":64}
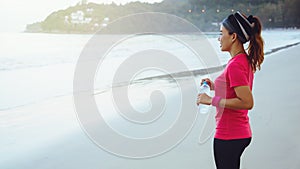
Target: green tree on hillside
{"x":205,"y":14}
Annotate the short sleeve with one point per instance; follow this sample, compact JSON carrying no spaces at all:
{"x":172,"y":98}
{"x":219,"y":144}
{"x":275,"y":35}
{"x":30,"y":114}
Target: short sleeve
{"x":237,"y":75}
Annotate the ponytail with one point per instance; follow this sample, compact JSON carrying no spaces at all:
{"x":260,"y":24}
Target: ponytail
{"x":256,"y":45}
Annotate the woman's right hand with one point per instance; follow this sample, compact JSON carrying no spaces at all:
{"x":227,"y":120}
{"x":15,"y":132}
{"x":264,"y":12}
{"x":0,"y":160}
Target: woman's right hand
{"x":209,"y":82}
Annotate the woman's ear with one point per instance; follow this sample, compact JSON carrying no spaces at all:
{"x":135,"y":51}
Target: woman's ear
{"x":233,"y":37}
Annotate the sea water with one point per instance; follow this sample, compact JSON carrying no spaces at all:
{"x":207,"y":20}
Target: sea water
{"x":35,"y":67}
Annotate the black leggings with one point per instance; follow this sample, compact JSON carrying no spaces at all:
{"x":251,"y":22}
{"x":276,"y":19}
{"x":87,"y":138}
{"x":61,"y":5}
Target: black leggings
{"x":228,"y":152}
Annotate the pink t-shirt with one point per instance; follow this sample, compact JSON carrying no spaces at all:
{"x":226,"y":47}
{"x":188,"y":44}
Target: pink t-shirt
{"x":231,"y":123}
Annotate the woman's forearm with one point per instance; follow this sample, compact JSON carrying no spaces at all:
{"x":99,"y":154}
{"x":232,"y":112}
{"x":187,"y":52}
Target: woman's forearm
{"x":236,"y":103}
{"x":243,"y":100}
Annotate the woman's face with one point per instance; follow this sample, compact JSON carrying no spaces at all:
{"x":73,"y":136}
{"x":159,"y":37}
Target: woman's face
{"x":225,"y":39}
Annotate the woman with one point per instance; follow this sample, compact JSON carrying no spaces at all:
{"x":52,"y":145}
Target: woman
{"x":233,"y":88}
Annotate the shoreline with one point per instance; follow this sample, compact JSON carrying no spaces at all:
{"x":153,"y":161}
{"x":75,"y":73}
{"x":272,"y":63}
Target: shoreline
{"x":281,"y":48}
{"x":196,"y":72}
{"x":212,"y":69}
{"x":96,"y":32}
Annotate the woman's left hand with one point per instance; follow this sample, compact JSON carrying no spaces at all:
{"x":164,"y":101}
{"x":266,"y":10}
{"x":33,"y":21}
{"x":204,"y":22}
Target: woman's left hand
{"x":204,"y":99}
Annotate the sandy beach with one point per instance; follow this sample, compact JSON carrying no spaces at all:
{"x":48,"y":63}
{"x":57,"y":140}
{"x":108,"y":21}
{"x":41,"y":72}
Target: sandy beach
{"x":275,"y":116}
{"x":48,"y":135}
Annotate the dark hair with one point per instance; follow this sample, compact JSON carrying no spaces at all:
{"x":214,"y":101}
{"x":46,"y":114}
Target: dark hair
{"x":256,"y":45}
{"x":248,"y":29}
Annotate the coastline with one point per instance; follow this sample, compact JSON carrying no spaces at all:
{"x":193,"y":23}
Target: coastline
{"x":212,"y":69}
{"x":195,"y":72}
{"x":281,"y":48}
{"x":98,"y":31}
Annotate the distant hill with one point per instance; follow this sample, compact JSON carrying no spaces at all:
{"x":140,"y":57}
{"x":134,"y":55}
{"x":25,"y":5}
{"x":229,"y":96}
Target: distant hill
{"x":205,"y":14}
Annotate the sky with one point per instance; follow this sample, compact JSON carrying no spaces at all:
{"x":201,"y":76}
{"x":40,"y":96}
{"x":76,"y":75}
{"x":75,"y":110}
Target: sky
{"x":15,"y":15}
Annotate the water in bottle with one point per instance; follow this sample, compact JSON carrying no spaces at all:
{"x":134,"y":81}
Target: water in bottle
{"x":204,"y":88}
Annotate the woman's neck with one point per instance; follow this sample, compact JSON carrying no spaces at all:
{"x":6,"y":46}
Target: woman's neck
{"x":237,"y":50}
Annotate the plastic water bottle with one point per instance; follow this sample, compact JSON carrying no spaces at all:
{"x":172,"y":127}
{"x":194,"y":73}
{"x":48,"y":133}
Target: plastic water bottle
{"x":204,"y":88}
